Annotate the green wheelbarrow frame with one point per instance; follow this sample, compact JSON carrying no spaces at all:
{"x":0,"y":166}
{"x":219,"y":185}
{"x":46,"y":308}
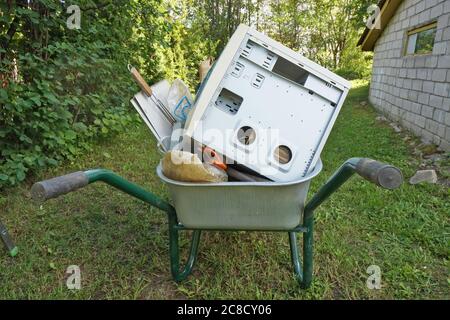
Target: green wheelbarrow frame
{"x":383,"y":175}
{"x":7,"y":241}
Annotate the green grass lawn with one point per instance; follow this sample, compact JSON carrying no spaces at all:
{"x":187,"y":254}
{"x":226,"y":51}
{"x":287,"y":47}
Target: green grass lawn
{"x":121,"y":244}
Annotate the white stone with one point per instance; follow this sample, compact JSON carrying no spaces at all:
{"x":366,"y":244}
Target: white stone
{"x":396,"y":128}
{"x":429,"y":176}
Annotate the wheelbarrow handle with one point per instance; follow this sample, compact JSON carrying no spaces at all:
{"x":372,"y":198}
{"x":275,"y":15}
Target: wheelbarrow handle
{"x":383,"y":175}
{"x":58,"y":186}
{"x":55,"y":187}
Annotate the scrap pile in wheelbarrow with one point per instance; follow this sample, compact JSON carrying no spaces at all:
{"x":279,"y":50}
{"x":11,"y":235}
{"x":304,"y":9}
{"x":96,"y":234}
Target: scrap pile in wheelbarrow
{"x":263,"y":113}
{"x":260,"y":120}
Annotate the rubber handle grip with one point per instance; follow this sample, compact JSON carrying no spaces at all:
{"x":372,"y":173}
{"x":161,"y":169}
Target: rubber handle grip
{"x":383,"y":175}
{"x":58,"y":186}
{"x":141,"y":82}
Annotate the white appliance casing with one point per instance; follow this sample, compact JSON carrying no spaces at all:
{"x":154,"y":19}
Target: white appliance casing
{"x":284,"y":97}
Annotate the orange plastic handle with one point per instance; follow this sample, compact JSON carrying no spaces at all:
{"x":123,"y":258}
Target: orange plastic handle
{"x":215,"y":162}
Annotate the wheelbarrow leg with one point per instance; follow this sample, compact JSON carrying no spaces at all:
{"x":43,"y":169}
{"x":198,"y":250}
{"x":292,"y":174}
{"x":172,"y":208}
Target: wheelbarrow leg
{"x":294,"y":256}
{"x":303,"y":275}
{"x":9,"y":244}
{"x":383,"y":175}
{"x":175,"y":251}
{"x":308,"y":241}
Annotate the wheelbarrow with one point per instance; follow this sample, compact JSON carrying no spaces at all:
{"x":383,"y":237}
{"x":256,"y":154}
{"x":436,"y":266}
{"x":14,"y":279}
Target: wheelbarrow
{"x":234,"y":206}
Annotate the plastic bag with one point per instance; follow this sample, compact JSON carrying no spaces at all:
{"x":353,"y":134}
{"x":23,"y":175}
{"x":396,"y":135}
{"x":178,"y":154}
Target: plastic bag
{"x":185,"y":166}
{"x":179,"y":100}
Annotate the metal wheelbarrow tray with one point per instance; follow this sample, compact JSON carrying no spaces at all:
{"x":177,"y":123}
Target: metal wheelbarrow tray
{"x":240,"y":205}
{"x":263,"y":206}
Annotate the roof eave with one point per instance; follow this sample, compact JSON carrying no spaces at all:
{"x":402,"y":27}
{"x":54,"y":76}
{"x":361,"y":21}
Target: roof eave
{"x":370,"y":36}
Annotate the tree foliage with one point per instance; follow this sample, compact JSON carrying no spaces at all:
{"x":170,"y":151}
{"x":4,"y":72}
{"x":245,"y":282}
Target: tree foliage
{"x":60,"y":88}
{"x":325,"y":31}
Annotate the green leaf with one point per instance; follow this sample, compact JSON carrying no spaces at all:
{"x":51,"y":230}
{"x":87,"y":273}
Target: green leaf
{"x":51,"y":97}
{"x":96,"y":111}
{"x":72,"y":149}
{"x":20,"y":175}
{"x":3,"y":95}
{"x":80,"y":127}
{"x":52,"y":162}
{"x":70,"y":134}
{"x":36,"y":100}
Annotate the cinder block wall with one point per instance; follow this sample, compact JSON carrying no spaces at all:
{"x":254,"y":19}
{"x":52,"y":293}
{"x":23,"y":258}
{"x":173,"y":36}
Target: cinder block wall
{"x":415,"y":90}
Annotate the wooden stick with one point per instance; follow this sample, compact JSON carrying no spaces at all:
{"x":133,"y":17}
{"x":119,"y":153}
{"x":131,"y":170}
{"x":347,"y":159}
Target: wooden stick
{"x":141,"y":82}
